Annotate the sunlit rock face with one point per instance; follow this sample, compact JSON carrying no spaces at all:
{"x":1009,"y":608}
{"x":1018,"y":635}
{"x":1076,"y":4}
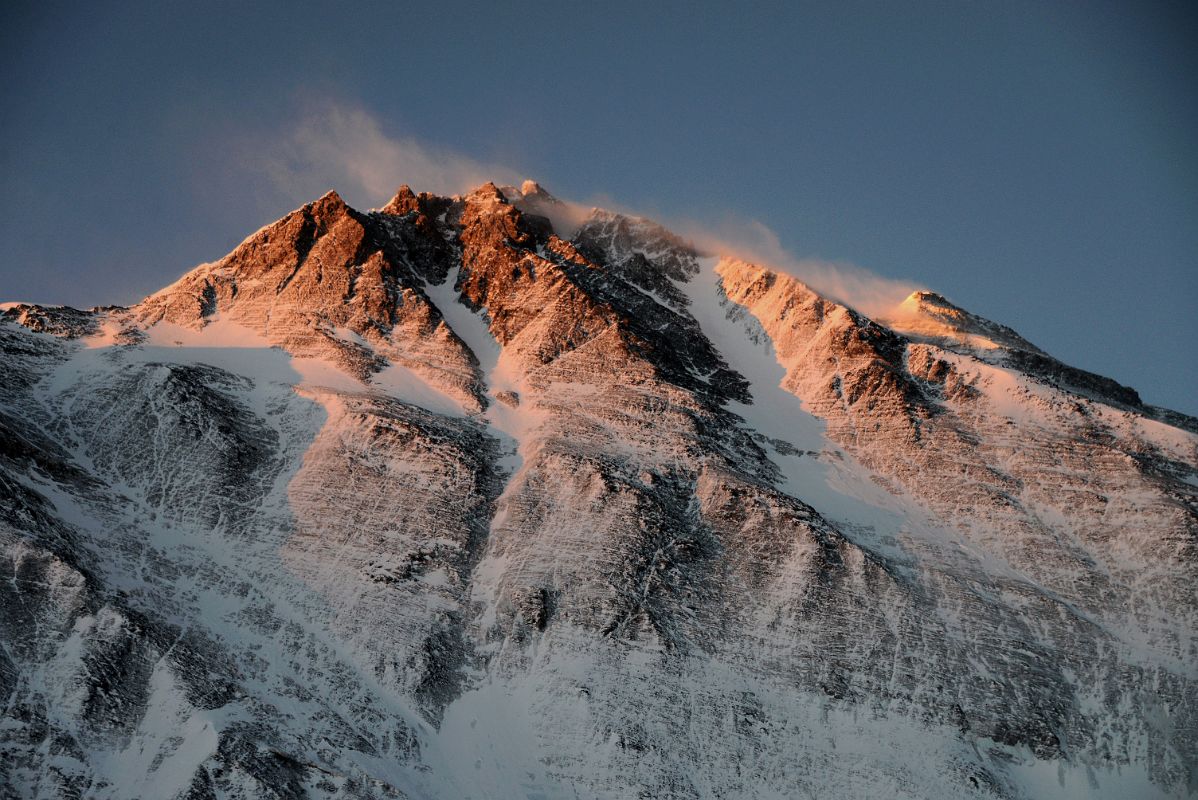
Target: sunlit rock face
{"x":484,"y":496}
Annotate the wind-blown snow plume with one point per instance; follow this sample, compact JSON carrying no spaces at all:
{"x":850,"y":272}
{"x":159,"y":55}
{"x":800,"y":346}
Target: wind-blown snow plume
{"x":752,"y":241}
{"x":756,"y":243}
{"x":343,"y":147}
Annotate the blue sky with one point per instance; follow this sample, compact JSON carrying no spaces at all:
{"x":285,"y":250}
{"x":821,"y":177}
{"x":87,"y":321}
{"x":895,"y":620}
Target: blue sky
{"x":1035,"y":162}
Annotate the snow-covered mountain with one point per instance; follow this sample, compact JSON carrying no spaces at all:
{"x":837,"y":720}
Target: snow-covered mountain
{"x":460,"y":499}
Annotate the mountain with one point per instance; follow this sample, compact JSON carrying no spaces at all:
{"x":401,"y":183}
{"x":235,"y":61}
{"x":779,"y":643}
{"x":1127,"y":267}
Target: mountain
{"x":480,"y":497}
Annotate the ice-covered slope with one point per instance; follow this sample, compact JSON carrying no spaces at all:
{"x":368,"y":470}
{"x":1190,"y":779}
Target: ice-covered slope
{"x":480,"y":497}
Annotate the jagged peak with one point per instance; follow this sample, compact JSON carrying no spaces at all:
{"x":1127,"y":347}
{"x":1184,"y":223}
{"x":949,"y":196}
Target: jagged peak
{"x":528,"y":192}
{"x":924,"y":297}
{"x":329,"y":202}
{"x":488,"y":193}
{"x":928,"y":313}
{"x":404,"y":202}
{"x":530,"y":189}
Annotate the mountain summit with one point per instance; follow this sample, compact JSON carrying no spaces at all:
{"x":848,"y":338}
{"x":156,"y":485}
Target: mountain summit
{"x":483,"y":496}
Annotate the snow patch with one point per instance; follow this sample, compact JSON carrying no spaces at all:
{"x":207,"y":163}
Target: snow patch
{"x":512,"y":425}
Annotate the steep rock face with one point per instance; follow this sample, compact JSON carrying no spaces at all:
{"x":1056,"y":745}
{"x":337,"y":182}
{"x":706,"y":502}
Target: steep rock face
{"x":642,"y":253}
{"x":391,"y":508}
{"x":495,"y":498}
{"x":848,"y":368}
{"x":600,"y":527}
{"x":155,"y":643}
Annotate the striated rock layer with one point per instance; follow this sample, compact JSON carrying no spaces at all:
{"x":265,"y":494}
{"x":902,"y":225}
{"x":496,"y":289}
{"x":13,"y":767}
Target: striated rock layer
{"x":479,"y":497}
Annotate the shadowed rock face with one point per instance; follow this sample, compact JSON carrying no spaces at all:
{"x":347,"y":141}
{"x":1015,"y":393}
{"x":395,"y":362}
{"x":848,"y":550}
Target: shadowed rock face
{"x":918,"y":558}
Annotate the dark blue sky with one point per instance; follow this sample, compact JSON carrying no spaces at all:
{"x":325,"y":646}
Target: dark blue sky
{"x":1036,"y":163}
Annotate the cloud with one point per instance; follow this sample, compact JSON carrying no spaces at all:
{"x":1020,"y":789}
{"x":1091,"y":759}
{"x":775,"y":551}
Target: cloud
{"x":342,"y":147}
